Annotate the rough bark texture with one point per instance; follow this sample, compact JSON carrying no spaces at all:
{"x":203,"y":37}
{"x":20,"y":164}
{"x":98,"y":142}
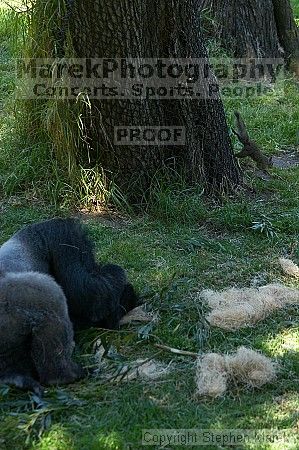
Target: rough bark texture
{"x":254,"y":28}
{"x":151,"y":29}
{"x":288,"y":32}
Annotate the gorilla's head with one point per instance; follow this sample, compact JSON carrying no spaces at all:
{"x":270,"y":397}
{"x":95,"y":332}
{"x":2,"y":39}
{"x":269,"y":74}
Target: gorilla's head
{"x":129,"y":299}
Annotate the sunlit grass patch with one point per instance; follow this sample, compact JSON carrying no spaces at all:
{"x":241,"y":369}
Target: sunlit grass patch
{"x":286,"y":341}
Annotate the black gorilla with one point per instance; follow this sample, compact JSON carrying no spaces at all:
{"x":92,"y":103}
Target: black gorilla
{"x":33,"y":307}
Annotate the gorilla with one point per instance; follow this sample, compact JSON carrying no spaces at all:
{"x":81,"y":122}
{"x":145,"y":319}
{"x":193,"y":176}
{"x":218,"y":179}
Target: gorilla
{"x":36,"y":334}
{"x":50,"y":282}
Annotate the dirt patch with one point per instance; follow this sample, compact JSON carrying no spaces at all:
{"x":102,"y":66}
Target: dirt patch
{"x":286,"y":160}
{"x":107,"y":218}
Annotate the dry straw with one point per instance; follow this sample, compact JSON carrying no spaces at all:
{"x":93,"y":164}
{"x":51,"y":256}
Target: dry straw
{"x":137,"y":315}
{"x":216,"y":372}
{"x":289,"y":267}
{"x":234,"y":308}
{"x":211,"y":375}
{"x":145,"y":369}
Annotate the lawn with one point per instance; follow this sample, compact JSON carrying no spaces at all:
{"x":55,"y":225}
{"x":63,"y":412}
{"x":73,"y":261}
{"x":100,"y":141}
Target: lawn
{"x":185,"y":242}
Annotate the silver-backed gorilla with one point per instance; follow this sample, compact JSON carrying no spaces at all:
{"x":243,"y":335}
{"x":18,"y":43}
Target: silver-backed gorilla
{"x":50,"y":282}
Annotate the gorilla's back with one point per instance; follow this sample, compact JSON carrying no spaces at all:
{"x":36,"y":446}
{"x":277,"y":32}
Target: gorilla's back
{"x":15,"y":257}
{"x":33,"y":248}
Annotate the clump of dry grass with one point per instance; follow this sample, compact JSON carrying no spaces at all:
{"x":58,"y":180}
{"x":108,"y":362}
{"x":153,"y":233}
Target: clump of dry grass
{"x":211,"y":375}
{"x":250,"y":367}
{"x":215,"y":372}
{"x":234,"y":308}
{"x":289,"y":267}
{"x":144,"y":369}
{"x":147,"y":370}
{"x":137,"y":315}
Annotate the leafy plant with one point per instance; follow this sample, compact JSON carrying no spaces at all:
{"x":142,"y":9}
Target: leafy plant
{"x":264,"y":226}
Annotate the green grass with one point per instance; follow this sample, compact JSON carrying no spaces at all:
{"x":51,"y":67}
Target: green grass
{"x":168,"y":262}
{"x":183,"y":244}
{"x":295,"y":5}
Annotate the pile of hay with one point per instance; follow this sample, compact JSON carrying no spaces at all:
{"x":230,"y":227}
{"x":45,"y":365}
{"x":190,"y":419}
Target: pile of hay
{"x":211,"y":375}
{"x":145,"y":369}
{"x":138,"y":315}
{"x":289,"y":267}
{"x":214,"y":372}
{"x":236,"y":308}
{"x":109,"y":370}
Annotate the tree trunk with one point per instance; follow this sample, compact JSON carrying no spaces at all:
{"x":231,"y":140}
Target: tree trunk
{"x":288,"y":32}
{"x":146,"y":29}
{"x":254,"y":28}
{"x":152,"y":29}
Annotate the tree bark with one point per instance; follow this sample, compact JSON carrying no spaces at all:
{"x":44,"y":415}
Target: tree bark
{"x":137,"y":29}
{"x":152,"y":29}
{"x":288,"y":32}
{"x":254,"y":28}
